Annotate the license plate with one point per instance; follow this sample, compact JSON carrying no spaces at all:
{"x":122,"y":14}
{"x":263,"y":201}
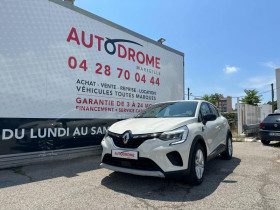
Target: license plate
{"x":125,"y":154}
{"x":274,"y":134}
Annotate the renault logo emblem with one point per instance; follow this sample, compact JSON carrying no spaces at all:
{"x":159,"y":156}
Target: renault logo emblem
{"x":126,"y":137}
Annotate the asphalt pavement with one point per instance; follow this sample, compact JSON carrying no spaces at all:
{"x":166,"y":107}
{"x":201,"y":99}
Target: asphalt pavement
{"x":250,"y":180}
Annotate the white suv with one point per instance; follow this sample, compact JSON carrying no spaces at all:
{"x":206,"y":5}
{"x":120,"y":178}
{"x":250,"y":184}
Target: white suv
{"x":170,"y":138}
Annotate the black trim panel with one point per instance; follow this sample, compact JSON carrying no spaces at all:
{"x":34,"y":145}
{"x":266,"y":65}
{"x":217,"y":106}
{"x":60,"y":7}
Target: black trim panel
{"x":221,"y":148}
{"x":25,"y":135}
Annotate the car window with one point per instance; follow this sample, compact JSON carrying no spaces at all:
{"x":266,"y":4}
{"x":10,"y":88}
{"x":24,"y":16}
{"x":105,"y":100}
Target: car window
{"x":272,"y":118}
{"x":214,"y":110}
{"x":199,"y":117}
{"x":204,"y":109}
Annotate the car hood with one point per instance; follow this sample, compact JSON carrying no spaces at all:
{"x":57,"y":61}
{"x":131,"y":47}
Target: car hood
{"x":150,"y":125}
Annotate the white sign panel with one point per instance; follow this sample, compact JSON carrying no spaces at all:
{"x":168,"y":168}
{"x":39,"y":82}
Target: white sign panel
{"x":58,"y":63}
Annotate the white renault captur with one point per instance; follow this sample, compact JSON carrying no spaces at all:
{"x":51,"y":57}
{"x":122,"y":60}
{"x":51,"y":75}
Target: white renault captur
{"x":170,"y":138}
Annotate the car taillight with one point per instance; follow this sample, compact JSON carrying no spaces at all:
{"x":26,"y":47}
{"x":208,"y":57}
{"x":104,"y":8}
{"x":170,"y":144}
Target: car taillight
{"x":261,"y":125}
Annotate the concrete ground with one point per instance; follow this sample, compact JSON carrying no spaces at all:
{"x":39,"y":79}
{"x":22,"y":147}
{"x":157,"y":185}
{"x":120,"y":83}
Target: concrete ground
{"x":251,"y":180}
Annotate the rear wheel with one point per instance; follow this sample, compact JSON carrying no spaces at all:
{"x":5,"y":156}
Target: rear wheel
{"x":265,"y":142}
{"x":227,"y":154}
{"x":197,"y":166}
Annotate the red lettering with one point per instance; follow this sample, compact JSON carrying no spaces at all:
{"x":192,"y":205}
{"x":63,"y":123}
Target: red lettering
{"x":90,"y":40}
{"x":123,"y":52}
{"x":73,"y":36}
{"x":119,"y":51}
{"x":99,"y":42}
{"x":157,"y":63}
{"x":148,"y":61}
{"x":78,"y":100}
{"x":131,"y":54}
{"x":138,"y":59}
{"x":85,"y":101}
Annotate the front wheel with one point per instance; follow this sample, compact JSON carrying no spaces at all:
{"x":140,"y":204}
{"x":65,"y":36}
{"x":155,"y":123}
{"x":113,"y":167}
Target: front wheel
{"x":197,"y":166}
{"x":227,"y":154}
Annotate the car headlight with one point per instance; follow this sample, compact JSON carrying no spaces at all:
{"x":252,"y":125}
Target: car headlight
{"x":179,"y":134}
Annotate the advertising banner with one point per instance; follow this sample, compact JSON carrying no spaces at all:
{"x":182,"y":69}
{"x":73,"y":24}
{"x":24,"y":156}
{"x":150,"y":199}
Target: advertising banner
{"x":64,"y":69}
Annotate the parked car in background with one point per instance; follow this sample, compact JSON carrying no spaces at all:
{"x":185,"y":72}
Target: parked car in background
{"x":171,"y":138}
{"x":270,"y":128}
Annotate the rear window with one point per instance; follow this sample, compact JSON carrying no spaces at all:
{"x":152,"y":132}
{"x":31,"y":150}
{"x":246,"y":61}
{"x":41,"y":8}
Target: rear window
{"x":272,"y":118}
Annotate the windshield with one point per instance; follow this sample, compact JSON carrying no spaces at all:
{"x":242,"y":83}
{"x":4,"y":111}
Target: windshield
{"x":171,"y":109}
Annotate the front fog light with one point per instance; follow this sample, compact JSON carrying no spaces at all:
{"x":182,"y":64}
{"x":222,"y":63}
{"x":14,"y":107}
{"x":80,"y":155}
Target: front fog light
{"x":179,"y":134}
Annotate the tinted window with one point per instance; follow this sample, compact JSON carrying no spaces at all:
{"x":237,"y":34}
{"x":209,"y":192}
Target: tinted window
{"x":199,"y":117}
{"x":272,"y":118}
{"x":172,"y":109}
{"x":214,"y":110}
{"x":204,"y":108}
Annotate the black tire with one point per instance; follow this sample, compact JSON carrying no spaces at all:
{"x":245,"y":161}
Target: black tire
{"x":193,"y":178}
{"x":265,"y":142}
{"x":227,"y":154}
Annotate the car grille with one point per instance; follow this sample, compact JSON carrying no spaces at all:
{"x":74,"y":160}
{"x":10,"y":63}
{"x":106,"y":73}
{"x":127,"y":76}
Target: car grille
{"x":140,"y":164}
{"x":135,"y":142}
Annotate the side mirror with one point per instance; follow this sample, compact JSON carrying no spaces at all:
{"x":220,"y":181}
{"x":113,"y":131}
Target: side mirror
{"x":209,"y":117}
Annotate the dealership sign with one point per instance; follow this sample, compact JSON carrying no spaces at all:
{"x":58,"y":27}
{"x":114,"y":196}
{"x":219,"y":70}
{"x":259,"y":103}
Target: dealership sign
{"x":66,"y":72}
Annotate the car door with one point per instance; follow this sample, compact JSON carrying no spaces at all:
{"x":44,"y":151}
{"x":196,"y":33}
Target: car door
{"x":220,"y":126}
{"x":210,"y":129}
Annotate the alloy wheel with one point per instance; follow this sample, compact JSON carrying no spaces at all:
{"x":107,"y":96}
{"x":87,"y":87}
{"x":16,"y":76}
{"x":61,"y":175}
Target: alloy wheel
{"x":199,"y":164}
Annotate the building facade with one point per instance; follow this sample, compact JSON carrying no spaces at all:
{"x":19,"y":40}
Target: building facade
{"x":225,"y":104}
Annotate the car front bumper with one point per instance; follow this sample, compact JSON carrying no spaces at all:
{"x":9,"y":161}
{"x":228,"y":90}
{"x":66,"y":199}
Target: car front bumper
{"x":153,"y":158}
{"x":133,"y":171}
